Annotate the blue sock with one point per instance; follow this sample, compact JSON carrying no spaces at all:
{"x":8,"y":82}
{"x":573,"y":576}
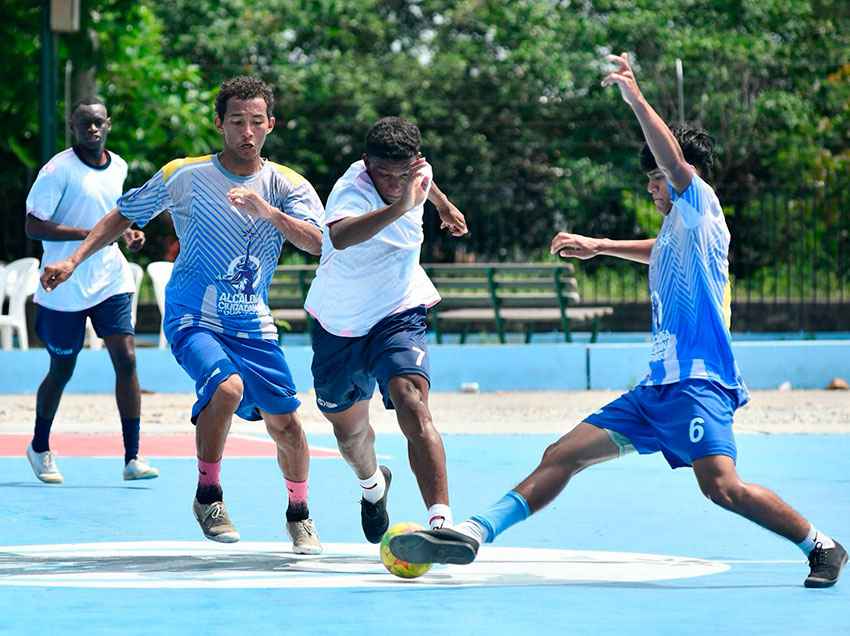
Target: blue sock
{"x":130,"y":431}
{"x":508,"y":511}
{"x":41,"y":436}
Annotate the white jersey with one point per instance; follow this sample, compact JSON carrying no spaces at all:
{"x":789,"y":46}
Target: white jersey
{"x":357,"y":287}
{"x":70,"y":192}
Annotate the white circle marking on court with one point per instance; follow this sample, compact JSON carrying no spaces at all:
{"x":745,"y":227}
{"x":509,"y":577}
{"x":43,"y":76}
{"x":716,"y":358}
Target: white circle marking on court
{"x":203,"y":564}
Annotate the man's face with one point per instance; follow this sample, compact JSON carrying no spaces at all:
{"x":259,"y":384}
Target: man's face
{"x":90,"y":124}
{"x":245,"y":127}
{"x":656,"y":185}
{"x":388,"y":176}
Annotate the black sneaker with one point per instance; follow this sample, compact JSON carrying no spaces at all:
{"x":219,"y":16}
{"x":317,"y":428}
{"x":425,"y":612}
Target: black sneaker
{"x":442,"y":545}
{"x":373,"y":516}
{"x":826,"y":564}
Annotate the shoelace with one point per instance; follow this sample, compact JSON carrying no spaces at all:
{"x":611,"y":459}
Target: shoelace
{"x":308,"y":527}
{"x":216,"y":511}
{"x":48,"y":462}
{"x":818,"y":555}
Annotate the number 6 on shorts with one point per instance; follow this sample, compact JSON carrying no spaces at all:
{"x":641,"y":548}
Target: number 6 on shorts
{"x":696,"y":430}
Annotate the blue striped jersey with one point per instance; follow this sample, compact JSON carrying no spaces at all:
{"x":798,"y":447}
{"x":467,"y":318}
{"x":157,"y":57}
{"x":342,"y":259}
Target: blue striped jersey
{"x":227,"y":258}
{"x":690,"y":293}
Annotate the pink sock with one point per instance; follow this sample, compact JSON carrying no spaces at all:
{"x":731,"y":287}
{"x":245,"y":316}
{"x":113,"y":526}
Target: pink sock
{"x":297,"y":491}
{"x":209,"y":473}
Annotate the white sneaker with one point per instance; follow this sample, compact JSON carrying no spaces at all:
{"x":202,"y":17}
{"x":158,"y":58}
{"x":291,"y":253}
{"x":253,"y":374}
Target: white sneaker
{"x":44,"y":466}
{"x":139,"y":469}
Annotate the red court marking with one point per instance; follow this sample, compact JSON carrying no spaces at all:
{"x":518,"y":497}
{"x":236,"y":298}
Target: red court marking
{"x":110,"y":445}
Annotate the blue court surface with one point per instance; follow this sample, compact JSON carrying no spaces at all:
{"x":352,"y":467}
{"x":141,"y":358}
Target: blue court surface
{"x":630,"y":547}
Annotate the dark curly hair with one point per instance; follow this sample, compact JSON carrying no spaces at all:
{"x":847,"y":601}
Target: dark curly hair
{"x":243,"y":87}
{"x":393,"y":138}
{"x":697,"y":147}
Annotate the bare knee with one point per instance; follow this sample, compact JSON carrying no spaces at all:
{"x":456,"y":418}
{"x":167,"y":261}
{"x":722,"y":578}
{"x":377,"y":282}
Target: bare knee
{"x":283,"y":425}
{"x":726,"y":492}
{"x":563,"y":455}
{"x":124,"y":363}
{"x":409,"y":401}
{"x":229,"y":392}
{"x":61,"y":369}
{"x":351,"y":437}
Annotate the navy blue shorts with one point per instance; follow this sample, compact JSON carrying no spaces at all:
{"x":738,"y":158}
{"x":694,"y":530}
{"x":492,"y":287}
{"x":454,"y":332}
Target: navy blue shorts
{"x":686,"y":420}
{"x":345,"y":369}
{"x":64,"y":332}
{"x":210,"y":358}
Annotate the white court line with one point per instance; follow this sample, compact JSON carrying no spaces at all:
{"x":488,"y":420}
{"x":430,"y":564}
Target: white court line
{"x":761,"y":562}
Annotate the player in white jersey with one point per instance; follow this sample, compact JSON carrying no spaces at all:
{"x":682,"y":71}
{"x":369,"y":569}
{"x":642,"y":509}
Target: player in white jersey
{"x":370,"y":298}
{"x":232,"y":213}
{"x":685,"y":406}
{"x":72,"y":192}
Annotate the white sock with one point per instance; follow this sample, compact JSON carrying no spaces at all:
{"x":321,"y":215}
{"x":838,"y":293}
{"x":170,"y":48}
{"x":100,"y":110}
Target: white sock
{"x":472,"y":529}
{"x":440,"y":516}
{"x":814,"y":538}
{"x":374,"y":487}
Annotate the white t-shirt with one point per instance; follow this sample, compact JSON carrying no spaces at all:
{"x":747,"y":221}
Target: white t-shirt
{"x":70,"y":192}
{"x":357,"y":287}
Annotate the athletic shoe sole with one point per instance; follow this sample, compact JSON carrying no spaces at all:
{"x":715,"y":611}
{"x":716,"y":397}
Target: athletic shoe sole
{"x":427,"y":547}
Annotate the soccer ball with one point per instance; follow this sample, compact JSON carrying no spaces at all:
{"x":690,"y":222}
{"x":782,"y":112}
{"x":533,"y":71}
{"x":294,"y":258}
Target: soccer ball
{"x":395,"y":565}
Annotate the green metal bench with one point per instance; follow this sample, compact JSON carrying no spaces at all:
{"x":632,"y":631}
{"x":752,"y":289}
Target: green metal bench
{"x":494,"y":295}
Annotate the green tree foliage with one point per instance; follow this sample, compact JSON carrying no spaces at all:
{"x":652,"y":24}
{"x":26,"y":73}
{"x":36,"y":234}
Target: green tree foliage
{"x":506,"y":93}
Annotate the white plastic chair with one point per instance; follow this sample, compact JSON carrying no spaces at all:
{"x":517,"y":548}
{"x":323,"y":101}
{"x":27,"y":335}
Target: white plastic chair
{"x":21,"y":281}
{"x":160,"y":273}
{"x":91,"y":336}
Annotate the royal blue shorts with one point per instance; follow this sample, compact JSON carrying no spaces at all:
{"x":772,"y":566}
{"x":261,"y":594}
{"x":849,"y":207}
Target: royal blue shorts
{"x":64,"y":332}
{"x":686,"y":420}
{"x":210,"y":358}
{"x":345,"y":370}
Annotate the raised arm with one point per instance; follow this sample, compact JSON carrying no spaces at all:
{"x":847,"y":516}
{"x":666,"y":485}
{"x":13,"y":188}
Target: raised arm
{"x":107,"y":230}
{"x":664,"y":147}
{"x":354,"y":230}
{"x":584,"y":247}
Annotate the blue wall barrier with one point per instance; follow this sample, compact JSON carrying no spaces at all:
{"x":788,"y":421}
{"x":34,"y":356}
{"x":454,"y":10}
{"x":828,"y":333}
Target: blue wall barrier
{"x":806,"y":364}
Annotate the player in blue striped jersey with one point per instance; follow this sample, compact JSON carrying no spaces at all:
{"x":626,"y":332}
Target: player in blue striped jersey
{"x":685,"y":405}
{"x":232,"y":213}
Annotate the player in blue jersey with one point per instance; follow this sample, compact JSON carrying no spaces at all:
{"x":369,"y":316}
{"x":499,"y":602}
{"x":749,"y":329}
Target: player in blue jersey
{"x":232,"y":213}
{"x":685,"y":405}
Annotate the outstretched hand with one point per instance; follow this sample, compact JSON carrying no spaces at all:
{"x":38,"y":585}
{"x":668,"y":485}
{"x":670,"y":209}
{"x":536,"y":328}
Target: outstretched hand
{"x":250,"y":202}
{"x":56,"y":274}
{"x":574,"y":246}
{"x":624,"y":78}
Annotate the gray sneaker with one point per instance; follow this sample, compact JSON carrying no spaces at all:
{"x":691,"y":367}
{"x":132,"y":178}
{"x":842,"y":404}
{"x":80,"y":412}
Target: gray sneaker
{"x":44,"y":466}
{"x":214,"y":522}
{"x":305,"y":539}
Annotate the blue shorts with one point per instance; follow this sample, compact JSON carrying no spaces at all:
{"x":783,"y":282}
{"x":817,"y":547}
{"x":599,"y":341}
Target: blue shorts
{"x":210,"y":358}
{"x":345,"y":369}
{"x":64,"y":332}
{"x":686,"y":420}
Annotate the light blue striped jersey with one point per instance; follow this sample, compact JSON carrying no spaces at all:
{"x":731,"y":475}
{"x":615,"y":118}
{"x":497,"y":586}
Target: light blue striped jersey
{"x":690,"y":292}
{"x":227,"y":258}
